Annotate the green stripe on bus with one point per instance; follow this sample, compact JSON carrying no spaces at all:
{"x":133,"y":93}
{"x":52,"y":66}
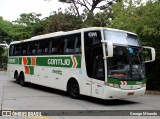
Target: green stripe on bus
{"x":31,"y":70}
{"x":20,"y":60}
{"x":116,"y":81}
{"x":113,"y":81}
{"x":78,"y":58}
{"x":66,"y":61}
{"x":29,"y":60}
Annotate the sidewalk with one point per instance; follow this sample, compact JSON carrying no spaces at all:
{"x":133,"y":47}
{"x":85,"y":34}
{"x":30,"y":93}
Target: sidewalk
{"x":152,"y":92}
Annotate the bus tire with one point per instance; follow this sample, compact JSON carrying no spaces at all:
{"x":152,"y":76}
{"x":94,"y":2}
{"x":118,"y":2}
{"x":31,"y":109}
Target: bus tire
{"x":22,"y":79}
{"x":16,"y":77}
{"x":15,"y":74}
{"x":73,"y":89}
{"x":17,"y":80}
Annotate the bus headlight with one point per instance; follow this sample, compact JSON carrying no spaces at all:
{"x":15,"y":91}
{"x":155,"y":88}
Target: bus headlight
{"x":113,"y":85}
{"x":143,"y":85}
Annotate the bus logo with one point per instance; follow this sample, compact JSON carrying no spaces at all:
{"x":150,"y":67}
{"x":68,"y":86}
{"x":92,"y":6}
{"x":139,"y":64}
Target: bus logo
{"x":92,"y":34}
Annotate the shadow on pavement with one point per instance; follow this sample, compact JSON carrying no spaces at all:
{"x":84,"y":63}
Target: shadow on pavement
{"x":113,"y":102}
{"x":44,"y":89}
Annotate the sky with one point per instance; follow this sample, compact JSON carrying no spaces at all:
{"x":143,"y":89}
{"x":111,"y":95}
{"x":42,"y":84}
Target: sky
{"x":11,"y":9}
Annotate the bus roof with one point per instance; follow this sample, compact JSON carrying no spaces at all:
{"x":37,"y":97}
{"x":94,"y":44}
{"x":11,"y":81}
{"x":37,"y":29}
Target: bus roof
{"x":61,"y":33}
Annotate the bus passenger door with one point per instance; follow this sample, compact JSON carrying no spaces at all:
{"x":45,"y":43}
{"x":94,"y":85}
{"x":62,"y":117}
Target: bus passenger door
{"x":98,"y":72}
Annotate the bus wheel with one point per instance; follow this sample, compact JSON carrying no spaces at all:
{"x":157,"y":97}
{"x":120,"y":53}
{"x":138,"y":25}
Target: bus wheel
{"x":17,"y":80}
{"x":73,"y":89}
{"x":15,"y":74}
{"x":16,"y":77}
{"x":22,"y":79}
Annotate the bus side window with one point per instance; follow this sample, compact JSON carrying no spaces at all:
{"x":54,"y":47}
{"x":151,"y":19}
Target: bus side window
{"x":33,"y":48}
{"x":46,"y":51}
{"x":69,"y":45}
{"x":43,"y":47}
{"x":11,"y":50}
{"x":77,"y":50}
{"x":72,"y":44}
{"x":77,"y":47}
{"x":39,"y":51}
{"x":57,"y":46}
{"x":33,"y":51}
{"x":54,"y":50}
{"x":17,"y":50}
{"x":24,"y":49}
{"x":24,"y":52}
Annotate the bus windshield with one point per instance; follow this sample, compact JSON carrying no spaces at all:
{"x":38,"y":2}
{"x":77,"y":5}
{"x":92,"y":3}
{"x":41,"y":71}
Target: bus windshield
{"x":127,"y":60}
{"x":121,"y":38}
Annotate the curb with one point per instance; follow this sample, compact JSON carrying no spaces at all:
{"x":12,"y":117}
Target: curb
{"x":153,"y":92}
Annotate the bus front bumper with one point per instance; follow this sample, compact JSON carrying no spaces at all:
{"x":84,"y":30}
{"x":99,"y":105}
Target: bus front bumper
{"x":118,"y":93}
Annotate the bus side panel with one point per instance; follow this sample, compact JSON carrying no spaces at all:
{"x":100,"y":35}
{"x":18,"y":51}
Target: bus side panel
{"x":56,"y":77}
{"x":12,"y":68}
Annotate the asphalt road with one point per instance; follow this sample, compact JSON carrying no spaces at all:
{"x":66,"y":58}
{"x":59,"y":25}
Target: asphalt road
{"x":34,"y":97}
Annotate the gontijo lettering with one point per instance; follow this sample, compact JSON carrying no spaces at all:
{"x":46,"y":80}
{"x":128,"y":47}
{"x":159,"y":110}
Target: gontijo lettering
{"x":58,"y":62}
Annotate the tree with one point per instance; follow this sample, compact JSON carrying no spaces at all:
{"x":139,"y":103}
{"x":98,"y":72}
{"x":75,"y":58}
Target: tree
{"x":90,"y":16}
{"x":39,"y":27}
{"x":1,"y":51}
{"x":89,"y":5}
{"x":27,"y":26}
{"x":20,"y":32}
{"x":60,"y":21}
{"x":28,"y":19}
{"x":5,"y":27}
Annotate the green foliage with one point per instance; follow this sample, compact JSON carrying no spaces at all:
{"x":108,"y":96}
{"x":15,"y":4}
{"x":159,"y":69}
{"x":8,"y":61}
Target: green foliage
{"x":27,"y":26}
{"x":5,"y":27}
{"x":100,"y":19}
{"x":28,"y":19}
{"x":38,"y":28}
{"x":5,"y":53}
{"x":1,"y":51}
{"x":60,"y":21}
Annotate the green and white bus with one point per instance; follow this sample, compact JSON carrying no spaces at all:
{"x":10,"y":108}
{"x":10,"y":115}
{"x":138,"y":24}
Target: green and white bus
{"x":99,"y":62}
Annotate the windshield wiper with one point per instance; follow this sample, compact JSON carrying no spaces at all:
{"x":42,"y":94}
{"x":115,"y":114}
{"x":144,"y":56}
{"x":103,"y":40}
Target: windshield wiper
{"x":130,"y":61}
{"x":138,"y":56}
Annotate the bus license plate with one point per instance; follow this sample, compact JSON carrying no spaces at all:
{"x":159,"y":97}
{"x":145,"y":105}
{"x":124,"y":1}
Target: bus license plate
{"x":130,"y":93}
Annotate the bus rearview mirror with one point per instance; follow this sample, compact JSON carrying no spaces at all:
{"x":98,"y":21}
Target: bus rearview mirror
{"x":149,"y":54}
{"x":109,"y":48}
